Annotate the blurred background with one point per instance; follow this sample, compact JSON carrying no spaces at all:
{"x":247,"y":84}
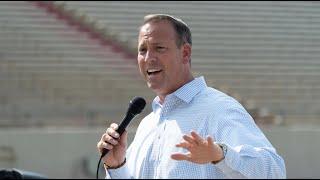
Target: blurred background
{"x":68,"y":69}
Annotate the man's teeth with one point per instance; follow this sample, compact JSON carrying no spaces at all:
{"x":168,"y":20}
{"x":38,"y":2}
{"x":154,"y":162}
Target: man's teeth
{"x":152,"y":70}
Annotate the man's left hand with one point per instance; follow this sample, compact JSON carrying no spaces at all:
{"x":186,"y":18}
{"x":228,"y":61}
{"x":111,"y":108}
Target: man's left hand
{"x":201,"y":150}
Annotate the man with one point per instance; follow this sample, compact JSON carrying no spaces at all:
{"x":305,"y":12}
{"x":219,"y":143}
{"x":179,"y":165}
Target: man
{"x":194,"y":131}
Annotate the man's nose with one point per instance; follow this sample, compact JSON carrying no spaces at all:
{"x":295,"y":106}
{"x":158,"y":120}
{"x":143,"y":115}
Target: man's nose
{"x":150,"y":56}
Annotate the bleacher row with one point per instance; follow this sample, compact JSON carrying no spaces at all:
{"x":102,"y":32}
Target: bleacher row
{"x":265,"y":53}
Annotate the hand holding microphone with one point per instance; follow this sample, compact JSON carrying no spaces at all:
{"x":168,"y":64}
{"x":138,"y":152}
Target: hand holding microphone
{"x":115,"y":145}
{"x":115,"y":138}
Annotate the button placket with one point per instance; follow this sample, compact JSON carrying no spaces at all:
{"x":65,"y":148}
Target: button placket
{"x":167,"y":106}
{"x":161,"y":137}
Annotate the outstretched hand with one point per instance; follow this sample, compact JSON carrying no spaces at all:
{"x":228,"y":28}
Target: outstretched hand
{"x":201,"y":150}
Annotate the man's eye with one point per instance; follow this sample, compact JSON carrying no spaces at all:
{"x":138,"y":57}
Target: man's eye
{"x":160,"y":48}
{"x":142,"y":50}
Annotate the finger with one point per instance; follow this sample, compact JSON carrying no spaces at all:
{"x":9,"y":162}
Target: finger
{"x":180,"y":157}
{"x":210,"y":141}
{"x":110,"y":131}
{"x":189,"y":139}
{"x":110,"y":139}
{"x":197,"y":138}
{"x":185,"y":145}
{"x":114,"y":126}
{"x":104,"y":145}
{"x":99,"y":146}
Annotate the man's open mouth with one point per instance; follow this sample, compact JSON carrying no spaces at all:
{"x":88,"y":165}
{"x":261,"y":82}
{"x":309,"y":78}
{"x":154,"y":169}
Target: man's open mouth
{"x":153,"y":71}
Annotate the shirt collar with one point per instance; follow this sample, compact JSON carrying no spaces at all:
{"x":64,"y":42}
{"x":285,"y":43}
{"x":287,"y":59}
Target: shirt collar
{"x":191,"y":89}
{"x":186,"y":92}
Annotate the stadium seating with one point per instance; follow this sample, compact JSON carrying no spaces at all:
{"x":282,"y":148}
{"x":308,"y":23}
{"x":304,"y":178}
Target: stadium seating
{"x":54,"y":74}
{"x":58,"y":70}
{"x":265,"y":51}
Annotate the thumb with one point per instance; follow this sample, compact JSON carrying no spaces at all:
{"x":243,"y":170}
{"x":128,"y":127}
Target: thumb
{"x":123,"y":137}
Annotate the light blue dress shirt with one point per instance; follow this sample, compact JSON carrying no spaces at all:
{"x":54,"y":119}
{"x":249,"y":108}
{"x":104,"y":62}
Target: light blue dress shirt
{"x":195,"y":106}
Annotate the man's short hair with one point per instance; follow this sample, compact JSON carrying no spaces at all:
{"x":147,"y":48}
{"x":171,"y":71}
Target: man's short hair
{"x":181,"y":28}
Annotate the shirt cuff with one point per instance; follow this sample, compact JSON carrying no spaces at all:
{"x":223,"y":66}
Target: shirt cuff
{"x":229,"y":163}
{"x":119,"y":173}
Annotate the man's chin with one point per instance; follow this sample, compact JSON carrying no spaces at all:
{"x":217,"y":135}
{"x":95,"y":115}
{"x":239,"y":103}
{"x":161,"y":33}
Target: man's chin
{"x":154,"y":86}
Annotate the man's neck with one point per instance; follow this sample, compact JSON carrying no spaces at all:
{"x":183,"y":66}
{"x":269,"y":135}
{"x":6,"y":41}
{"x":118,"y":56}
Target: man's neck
{"x":163,"y":96}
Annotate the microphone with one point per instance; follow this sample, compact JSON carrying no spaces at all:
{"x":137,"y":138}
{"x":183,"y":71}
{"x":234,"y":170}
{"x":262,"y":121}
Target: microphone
{"x":136,"y":106}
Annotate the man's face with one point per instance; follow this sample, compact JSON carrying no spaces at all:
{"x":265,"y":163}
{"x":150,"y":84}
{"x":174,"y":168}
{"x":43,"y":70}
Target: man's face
{"x":161,"y":62}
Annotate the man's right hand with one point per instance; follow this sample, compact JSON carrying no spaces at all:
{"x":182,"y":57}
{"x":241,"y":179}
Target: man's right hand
{"x":117,"y":146}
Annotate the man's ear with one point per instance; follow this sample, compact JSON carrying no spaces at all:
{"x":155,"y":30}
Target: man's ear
{"x":186,"y":53}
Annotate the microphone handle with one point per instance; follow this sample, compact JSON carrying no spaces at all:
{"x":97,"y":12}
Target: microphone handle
{"x":125,"y":123}
{"x":121,"y":129}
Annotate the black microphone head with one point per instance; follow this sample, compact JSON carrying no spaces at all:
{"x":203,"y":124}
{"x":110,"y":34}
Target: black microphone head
{"x":136,"y":105}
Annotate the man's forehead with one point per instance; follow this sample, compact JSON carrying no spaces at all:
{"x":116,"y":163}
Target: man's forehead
{"x":146,"y":31}
{"x":156,"y":31}
{"x":154,"y":40}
